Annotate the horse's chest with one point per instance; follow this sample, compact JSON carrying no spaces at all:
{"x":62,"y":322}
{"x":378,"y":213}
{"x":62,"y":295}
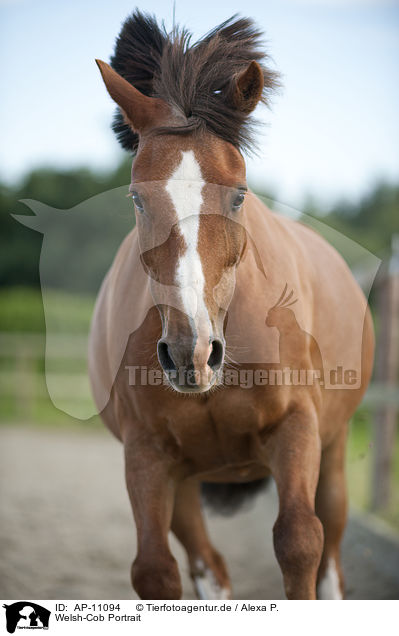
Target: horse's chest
{"x":220,"y":432}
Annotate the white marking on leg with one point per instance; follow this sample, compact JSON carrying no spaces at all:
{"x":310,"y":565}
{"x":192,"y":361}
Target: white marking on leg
{"x":206,"y":585}
{"x":329,"y":588}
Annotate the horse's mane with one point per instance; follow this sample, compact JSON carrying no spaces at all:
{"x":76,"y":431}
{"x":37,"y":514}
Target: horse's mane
{"x":196,"y":79}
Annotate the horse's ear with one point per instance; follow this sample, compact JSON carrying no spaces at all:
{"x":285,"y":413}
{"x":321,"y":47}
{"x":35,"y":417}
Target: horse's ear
{"x":248,"y":88}
{"x":140,"y":111}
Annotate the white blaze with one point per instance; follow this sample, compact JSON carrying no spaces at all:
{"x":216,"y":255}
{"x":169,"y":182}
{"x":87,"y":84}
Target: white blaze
{"x":185,"y":188}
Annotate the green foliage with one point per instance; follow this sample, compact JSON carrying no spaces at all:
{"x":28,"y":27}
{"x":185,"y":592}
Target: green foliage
{"x":20,"y":247}
{"x":371,"y":221}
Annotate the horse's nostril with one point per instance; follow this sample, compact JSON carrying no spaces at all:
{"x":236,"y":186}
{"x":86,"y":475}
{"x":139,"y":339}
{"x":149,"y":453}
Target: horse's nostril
{"x":216,"y":358}
{"x":164,"y":357}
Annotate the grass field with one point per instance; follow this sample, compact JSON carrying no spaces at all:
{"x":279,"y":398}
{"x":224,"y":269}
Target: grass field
{"x":24,"y":396}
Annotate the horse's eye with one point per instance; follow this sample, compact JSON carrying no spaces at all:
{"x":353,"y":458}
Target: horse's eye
{"x":137,"y":202}
{"x":238,"y":201}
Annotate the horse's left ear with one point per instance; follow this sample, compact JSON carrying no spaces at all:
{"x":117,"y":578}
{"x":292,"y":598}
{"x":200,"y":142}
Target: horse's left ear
{"x":248,"y":88}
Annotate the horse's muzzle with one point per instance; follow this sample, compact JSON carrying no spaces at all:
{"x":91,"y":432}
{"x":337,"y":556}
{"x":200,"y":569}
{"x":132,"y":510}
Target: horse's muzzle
{"x":191,"y":369}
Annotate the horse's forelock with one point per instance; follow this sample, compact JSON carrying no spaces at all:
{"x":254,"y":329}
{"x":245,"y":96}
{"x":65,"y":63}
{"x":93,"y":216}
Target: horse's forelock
{"x":197,"y":79}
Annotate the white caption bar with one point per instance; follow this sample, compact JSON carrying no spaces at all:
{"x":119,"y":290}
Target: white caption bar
{"x":143,"y":617}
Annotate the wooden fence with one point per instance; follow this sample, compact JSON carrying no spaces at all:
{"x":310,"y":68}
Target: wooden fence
{"x":386,"y":373}
{"x":23,"y":374}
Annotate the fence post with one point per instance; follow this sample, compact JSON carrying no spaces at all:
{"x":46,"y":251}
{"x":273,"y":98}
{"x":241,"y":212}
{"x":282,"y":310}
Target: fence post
{"x":387,"y":363}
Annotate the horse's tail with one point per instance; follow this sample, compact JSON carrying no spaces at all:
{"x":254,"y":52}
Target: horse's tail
{"x":227,"y":498}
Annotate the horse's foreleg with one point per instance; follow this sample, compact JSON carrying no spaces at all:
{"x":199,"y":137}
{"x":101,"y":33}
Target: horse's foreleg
{"x":331,"y":508}
{"x":294,"y":458}
{"x":151,"y":488}
{"x":207,"y":567}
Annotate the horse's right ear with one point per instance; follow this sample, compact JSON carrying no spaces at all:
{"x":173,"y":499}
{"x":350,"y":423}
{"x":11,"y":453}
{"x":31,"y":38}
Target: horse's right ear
{"x":140,"y":111}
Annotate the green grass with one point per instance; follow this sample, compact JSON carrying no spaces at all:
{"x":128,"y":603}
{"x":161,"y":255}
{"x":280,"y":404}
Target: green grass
{"x":21,"y":310}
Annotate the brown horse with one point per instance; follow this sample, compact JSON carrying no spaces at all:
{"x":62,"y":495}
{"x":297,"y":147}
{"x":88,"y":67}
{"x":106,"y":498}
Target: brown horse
{"x":195,"y":297}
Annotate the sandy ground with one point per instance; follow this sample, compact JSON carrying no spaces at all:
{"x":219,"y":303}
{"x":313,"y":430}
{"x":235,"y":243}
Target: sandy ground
{"x":67,"y":531}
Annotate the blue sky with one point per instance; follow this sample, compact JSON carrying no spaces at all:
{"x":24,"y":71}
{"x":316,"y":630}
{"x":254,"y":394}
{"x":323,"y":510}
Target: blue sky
{"x":332,"y":132}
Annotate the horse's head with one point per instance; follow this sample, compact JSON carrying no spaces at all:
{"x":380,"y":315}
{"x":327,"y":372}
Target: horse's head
{"x":191,"y":239}
{"x":188,"y":187}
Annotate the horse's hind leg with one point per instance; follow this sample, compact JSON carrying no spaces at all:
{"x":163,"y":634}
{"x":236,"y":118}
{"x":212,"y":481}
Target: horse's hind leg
{"x":331,"y":508}
{"x":207,"y":567}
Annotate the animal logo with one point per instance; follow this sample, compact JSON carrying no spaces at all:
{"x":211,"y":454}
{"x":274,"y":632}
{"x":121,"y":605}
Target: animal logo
{"x":26,"y":615}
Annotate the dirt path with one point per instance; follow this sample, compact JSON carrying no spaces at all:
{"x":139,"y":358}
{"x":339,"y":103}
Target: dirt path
{"x":66,"y":528}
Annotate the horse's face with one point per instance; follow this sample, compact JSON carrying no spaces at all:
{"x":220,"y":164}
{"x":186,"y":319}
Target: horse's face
{"x":189,"y":192}
{"x":189,"y":196}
